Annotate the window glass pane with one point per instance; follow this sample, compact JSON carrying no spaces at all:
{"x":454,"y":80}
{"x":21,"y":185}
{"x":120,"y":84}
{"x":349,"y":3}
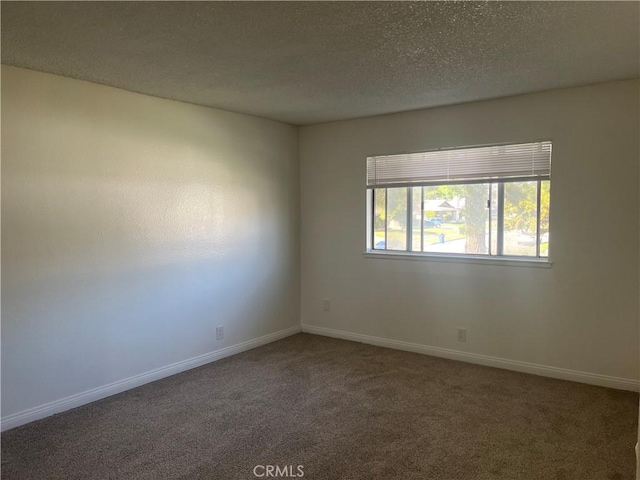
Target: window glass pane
{"x":461,"y":219}
{"x":379,"y":219}
{"x":456,"y":218}
{"x":397,"y":218}
{"x":544,"y":217}
{"x":416,"y":219}
{"x":493,"y":235}
{"x":520,"y":218}
{"x":476,"y":218}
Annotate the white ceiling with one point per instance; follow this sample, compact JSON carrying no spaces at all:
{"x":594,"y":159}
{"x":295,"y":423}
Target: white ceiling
{"x":312,"y":62}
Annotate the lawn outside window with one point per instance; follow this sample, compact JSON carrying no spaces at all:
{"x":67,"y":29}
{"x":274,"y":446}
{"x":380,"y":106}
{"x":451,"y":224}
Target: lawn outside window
{"x":473,"y":202}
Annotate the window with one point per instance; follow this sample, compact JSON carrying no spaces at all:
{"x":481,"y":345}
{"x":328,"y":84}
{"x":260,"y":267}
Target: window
{"x":484,"y":201}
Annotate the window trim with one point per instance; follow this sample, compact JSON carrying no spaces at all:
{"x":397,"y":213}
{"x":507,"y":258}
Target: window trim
{"x":494,"y":259}
{"x":504,"y":261}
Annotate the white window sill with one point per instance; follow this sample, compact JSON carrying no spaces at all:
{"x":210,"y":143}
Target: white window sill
{"x":459,"y":258}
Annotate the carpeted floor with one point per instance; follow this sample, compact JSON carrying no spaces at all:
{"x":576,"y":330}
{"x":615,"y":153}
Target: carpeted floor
{"x":339,"y":410}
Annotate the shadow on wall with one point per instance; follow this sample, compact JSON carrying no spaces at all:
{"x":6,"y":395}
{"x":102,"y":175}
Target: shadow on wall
{"x":115,"y":271}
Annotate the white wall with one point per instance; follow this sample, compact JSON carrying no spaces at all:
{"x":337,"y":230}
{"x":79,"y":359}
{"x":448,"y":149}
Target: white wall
{"x":580,"y":315}
{"x":131,"y":227}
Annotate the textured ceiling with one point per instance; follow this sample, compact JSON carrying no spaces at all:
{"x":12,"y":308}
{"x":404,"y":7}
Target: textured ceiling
{"x":311,"y":62}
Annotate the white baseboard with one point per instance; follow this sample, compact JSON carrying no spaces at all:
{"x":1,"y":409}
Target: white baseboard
{"x":67,"y":403}
{"x":542,"y":370}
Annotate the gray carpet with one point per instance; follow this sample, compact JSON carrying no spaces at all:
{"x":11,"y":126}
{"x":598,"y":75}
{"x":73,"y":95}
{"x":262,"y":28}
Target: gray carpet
{"x":341,"y":410}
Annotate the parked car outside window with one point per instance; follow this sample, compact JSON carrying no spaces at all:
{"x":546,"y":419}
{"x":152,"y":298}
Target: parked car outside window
{"x":431,"y":222}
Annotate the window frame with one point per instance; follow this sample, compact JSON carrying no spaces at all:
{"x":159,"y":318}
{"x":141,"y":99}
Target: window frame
{"x":498,"y":258}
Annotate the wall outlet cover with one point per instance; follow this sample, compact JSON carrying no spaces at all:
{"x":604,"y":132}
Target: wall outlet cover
{"x":462,"y":334}
{"x":326,"y":305}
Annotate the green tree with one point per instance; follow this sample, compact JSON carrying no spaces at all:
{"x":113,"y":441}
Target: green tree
{"x":390,"y":205}
{"x":380,"y":215}
{"x":520,"y":206}
{"x":444,"y":192}
{"x":397,"y":206}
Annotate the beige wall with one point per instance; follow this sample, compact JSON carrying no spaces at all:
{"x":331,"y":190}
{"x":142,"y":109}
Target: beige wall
{"x":132,"y":227}
{"x":581,"y":315}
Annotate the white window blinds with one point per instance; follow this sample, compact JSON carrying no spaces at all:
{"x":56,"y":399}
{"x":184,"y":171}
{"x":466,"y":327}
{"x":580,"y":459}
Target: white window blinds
{"x":463,"y":165}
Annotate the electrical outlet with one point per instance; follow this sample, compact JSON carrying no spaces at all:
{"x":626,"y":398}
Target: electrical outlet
{"x":326,"y":305}
{"x":462,"y":334}
{"x":219,"y":333}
